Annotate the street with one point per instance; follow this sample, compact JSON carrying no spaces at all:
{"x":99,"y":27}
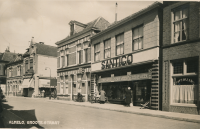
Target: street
{"x":57,"y":115}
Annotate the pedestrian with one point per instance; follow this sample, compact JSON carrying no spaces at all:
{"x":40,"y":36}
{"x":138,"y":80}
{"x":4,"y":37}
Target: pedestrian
{"x":128,"y":97}
{"x":102,"y":96}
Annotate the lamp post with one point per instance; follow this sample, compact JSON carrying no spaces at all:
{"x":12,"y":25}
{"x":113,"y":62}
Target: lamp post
{"x":50,"y":80}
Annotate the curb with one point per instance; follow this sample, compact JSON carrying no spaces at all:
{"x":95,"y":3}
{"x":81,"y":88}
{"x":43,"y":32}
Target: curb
{"x":137,"y":113}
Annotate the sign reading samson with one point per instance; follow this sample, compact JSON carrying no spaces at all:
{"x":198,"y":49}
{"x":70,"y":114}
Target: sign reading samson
{"x":117,"y":62}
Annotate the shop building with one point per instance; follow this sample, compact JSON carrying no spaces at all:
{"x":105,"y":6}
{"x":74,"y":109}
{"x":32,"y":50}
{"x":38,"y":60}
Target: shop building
{"x":181,"y":57}
{"x":39,"y":65}
{"x":126,"y":54}
{"x":14,"y":77}
{"x":5,"y":58}
{"x":74,"y":59}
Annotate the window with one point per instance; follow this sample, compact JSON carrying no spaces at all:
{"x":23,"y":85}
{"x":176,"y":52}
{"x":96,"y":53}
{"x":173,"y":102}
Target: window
{"x":71,"y":54}
{"x":97,"y":52}
{"x":185,"y":80}
{"x":31,"y":63}
{"x":63,"y":61}
{"x":138,"y":38}
{"x":180,"y":24}
{"x":87,"y":55}
{"x":120,"y":44}
{"x":80,"y":53}
{"x":0,"y":67}
{"x":107,"y":45}
{"x":26,"y":65}
{"x":58,"y":62}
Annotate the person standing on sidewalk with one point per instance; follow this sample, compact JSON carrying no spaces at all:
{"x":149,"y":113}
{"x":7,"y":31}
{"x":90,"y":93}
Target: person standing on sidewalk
{"x":102,"y":97}
{"x":128,"y":97}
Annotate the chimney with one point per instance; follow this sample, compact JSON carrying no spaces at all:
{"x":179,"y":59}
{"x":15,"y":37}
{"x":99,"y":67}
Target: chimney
{"x":32,"y":41}
{"x":41,"y":42}
{"x":116,"y":13}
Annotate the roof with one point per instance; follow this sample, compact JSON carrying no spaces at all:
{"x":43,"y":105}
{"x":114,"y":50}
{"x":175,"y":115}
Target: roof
{"x":16,"y":59}
{"x":128,"y":18}
{"x":7,"y":56}
{"x":46,"y":49}
{"x":89,"y":26}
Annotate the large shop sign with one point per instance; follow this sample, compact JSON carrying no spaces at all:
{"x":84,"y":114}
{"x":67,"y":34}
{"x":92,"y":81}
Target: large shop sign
{"x":117,"y":62}
{"x":133,"y":77}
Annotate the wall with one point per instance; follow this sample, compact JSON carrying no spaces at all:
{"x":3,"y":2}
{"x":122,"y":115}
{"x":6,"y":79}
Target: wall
{"x":150,"y":22}
{"x":46,"y":61}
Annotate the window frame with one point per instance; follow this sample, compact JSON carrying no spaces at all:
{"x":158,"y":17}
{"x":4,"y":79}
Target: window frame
{"x":106,"y":49}
{"x":141,"y":37}
{"x":96,"y":52}
{"x":181,"y":19}
{"x":121,"y":43}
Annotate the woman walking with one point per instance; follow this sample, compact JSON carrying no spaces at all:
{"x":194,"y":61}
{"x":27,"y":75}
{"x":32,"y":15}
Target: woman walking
{"x":128,"y":97}
{"x":102,"y":97}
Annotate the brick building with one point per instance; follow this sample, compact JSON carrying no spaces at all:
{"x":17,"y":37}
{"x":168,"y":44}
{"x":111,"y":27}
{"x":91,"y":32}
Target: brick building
{"x":181,"y":52}
{"x":74,"y":59}
{"x":38,"y":65}
{"x":126,"y":54}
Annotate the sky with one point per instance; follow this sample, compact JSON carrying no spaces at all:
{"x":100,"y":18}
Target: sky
{"x":47,"y":20}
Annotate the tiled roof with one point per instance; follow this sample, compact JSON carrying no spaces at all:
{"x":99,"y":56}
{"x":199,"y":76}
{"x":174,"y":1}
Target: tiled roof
{"x":8,"y":56}
{"x":89,"y":26}
{"x":46,"y":49}
{"x":17,"y":58}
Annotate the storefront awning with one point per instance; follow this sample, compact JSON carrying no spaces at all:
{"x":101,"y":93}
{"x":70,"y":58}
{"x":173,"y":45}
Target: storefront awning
{"x":44,"y":83}
{"x":28,"y":83}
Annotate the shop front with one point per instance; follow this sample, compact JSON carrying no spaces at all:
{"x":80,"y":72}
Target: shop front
{"x":28,"y":87}
{"x":116,"y":82}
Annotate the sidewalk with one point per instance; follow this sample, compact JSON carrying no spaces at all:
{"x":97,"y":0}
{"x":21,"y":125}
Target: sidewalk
{"x":135,"y":110}
{"x":132,"y":110}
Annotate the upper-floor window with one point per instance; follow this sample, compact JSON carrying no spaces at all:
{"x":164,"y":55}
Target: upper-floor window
{"x":87,"y":54}
{"x":107,"y":49}
{"x":180,"y":24}
{"x":31,"y":63}
{"x":120,"y":44}
{"x":138,"y":38}
{"x":71,"y":54}
{"x":26,"y":65}
{"x":97,"y":52}
{"x":80,"y":53}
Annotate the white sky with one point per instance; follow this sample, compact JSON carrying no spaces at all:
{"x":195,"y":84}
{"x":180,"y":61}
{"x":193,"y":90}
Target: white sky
{"x":47,"y":20}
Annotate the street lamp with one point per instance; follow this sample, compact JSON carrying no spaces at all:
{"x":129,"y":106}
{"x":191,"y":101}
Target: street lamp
{"x":50,"y":80}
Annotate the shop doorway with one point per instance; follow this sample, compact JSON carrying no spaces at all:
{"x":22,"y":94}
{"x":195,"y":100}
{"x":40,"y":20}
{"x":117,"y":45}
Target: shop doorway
{"x":141,"y":92}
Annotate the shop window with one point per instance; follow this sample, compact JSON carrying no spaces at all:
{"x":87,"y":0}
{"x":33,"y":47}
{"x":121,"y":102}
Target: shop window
{"x":107,"y":48}
{"x":97,"y":52}
{"x":138,"y":38}
{"x":180,"y":24}
{"x":120,"y":44}
{"x":185,"y":81}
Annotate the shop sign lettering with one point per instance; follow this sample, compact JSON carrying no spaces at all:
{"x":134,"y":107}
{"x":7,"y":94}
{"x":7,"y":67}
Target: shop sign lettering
{"x":182,"y":80}
{"x":117,"y":62}
{"x":142,"y":76}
